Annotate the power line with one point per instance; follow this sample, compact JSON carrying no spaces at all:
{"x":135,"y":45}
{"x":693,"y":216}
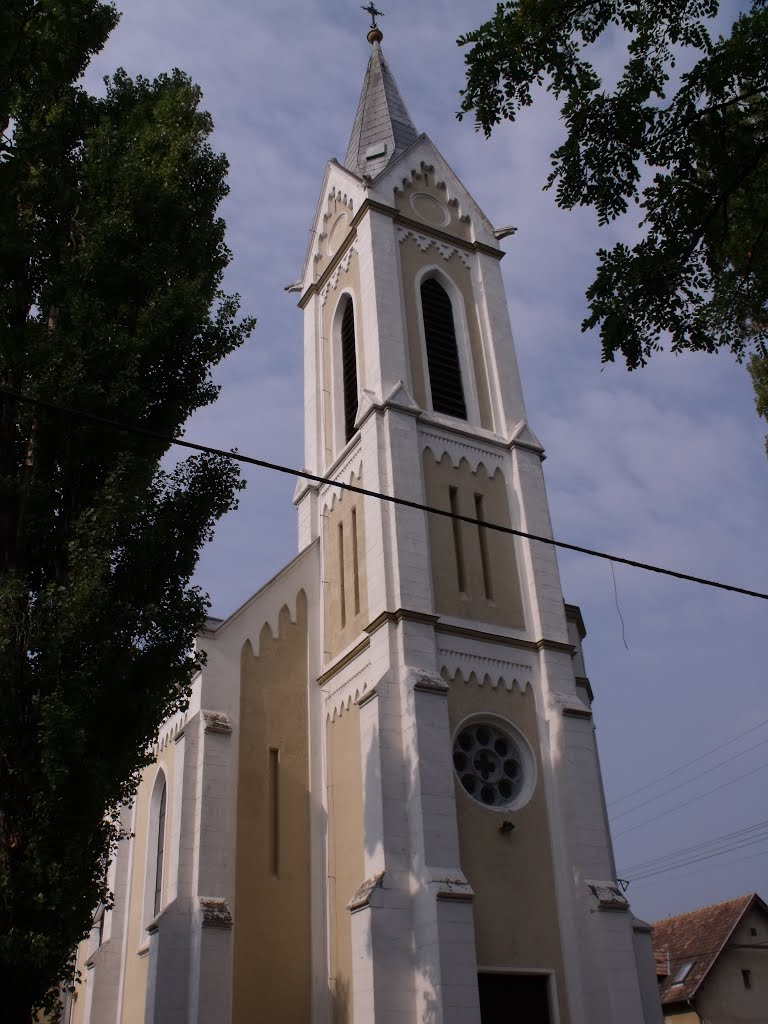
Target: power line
{"x":695,"y":760}
{"x":687,"y":782}
{"x":687,"y":803}
{"x":736,"y":860}
{"x":654,"y":861}
{"x":367,"y":492}
{"x":696,"y":860}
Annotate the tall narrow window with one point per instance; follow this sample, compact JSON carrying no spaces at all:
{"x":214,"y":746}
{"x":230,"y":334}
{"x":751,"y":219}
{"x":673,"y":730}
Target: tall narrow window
{"x":349,"y":368}
{"x":355,"y":563}
{"x":458,"y":547}
{"x":274,"y":811}
{"x":442,"y":351}
{"x":482,"y":536}
{"x":160,"y":852}
{"x":342,"y":596}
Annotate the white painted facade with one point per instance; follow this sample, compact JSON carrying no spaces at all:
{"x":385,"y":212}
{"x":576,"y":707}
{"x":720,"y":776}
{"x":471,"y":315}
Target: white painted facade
{"x":415,"y":927}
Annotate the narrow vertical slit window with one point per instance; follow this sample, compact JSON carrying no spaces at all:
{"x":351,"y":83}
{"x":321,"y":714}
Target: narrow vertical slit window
{"x":746,"y":977}
{"x":274,"y":811}
{"x":355,"y":563}
{"x":442,"y":351}
{"x":482,"y":536}
{"x":160,"y":853}
{"x":349,"y":369}
{"x":453,"y":496}
{"x":342,"y":597}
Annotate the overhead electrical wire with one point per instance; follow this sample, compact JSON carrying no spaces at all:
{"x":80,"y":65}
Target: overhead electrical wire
{"x":692,"y":800}
{"x":694,"y":847}
{"x":688,"y":782}
{"x":695,"y":760}
{"x":367,"y":492}
{"x":695,"y":871}
{"x":696,"y":860}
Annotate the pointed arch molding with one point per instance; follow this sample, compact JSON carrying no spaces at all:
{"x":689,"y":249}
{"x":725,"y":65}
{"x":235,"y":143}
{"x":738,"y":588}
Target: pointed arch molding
{"x":348,"y":688}
{"x":457,"y":449}
{"x":339,"y":271}
{"x":424,"y":242}
{"x":477,"y":669}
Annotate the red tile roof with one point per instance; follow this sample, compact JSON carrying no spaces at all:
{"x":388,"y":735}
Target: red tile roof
{"x":697,"y":937}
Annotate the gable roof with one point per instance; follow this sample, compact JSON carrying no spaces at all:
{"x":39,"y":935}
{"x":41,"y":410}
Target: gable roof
{"x":382,"y":128}
{"x":698,"y":938}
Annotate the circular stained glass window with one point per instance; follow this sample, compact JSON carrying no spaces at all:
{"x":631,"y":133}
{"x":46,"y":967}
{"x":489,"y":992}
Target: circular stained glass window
{"x":490,"y":764}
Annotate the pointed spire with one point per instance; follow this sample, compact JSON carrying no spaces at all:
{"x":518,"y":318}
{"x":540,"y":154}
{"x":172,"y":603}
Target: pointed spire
{"x":383,"y":128}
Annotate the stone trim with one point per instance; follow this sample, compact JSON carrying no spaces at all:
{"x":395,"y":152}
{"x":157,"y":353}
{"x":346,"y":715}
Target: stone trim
{"x":571,"y":712}
{"x":216,"y":912}
{"x":364,"y":894}
{"x":217,"y":722}
{"x":329,"y":673}
{"x":583,"y":681}
{"x":608,"y":896}
{"x":398,"y":616}
{"x":367,"y":696}
{"x":455,"y":897}
{"x":430,"y":682}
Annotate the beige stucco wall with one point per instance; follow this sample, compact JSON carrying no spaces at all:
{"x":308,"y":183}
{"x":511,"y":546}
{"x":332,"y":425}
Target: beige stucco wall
{"x":347,"y":282}
{"x":342,"y":629}
{"x":272,"y":911}
{"x":345,"y":849}
{"x":412,"y":261}
{"x":136,"y":952}
{"x":516,"y":920}
{"x":723,"y":999}
{"x":505,"y":608}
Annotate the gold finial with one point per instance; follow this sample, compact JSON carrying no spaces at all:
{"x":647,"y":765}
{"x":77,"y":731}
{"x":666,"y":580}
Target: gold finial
{"x":375,"y":35}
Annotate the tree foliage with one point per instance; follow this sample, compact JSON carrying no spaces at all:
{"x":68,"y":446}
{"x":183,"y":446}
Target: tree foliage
{"x":111,"y":262}
{"x":694,"y":162}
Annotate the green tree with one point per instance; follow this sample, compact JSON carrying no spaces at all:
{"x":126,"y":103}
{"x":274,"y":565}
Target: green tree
{"x":111,"y":262}
{"x":693,"y":163}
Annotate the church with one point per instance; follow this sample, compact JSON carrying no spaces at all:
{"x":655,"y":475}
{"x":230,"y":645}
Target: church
{"x":384,"y":803}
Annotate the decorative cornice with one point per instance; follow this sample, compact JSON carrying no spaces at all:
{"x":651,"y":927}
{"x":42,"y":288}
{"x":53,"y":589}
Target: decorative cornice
{"x":366,"y":696}
{"x":329,"y":673}
{"x":424,"y":242}
{"x":217,"y":722}
{"x":458,"y":449}
{"x":402,"y":614}
{"x":399,"y":219}
{"x":216,"y":912}
{"x":468,"y":633}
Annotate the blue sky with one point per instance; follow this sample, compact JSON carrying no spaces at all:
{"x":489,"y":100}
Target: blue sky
{"x":665,"y":465}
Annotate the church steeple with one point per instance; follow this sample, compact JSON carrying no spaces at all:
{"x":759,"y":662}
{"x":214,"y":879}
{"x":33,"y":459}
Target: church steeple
{"x":383,"y":128}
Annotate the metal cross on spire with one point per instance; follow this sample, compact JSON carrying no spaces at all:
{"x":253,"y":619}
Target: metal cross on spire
{"x":374,"y":13}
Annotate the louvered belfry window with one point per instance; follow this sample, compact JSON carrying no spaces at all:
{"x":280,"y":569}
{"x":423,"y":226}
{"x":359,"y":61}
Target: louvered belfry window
{"x":349,"y":368}
{"x":442,"y":351}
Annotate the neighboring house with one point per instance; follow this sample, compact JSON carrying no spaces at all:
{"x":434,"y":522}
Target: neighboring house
{"x":384,"y":804}
{"x":712,"y":963}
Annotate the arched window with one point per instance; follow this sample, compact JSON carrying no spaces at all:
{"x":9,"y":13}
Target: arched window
{"x":160,"y":852}
{"x":349,"y":368}
{"x":442,"y":350}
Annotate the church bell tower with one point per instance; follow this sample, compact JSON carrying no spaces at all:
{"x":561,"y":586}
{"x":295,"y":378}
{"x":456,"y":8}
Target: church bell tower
{"x":469,"y":865}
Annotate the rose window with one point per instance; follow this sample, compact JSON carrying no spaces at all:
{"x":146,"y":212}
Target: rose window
{"x":489,"y":764}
